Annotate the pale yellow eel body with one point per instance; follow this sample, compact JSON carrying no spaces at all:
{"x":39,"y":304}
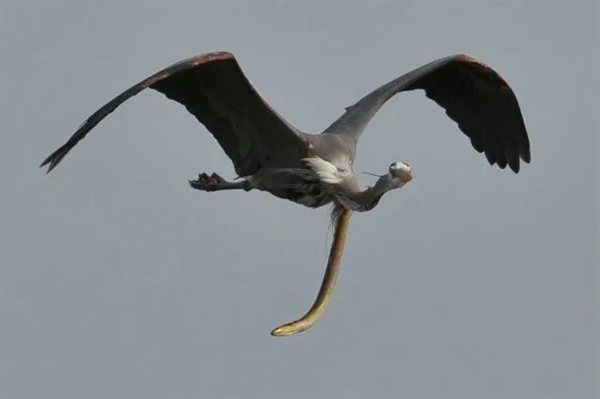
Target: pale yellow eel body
{"x":328,"y":284}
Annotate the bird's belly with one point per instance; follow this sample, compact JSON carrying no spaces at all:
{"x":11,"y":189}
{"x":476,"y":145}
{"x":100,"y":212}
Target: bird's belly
{"x":313,"y":196}
{"x":300,"y":186}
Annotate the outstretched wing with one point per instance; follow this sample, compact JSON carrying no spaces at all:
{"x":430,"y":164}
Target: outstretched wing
{"x":473,"y":95}
{"x":214,"y":89}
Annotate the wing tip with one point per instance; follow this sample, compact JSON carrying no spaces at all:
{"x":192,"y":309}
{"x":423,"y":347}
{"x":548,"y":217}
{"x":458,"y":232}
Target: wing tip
{"x":47,"y":161}
{"x":54,"y":159}
{"x":51,"y":163}
{"x":515,"y":164}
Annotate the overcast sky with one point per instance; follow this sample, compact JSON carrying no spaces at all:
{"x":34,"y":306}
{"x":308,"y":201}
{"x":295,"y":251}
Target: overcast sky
{"x":119,"y":281}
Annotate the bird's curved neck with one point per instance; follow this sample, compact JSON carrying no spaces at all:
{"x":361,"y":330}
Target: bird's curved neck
{"x":360,"y":201}
{"x":368,"y":199}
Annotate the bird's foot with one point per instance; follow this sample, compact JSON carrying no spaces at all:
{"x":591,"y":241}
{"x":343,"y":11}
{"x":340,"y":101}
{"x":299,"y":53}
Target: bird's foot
{"x":215,"y":182}
{"x":205,"y":182}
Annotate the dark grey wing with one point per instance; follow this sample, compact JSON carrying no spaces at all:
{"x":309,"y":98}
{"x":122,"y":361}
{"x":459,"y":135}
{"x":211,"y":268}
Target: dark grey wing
{"x":473,"y":95}
{"x":214,"y":89}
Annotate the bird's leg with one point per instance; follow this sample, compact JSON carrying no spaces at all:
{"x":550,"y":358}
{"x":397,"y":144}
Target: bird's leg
{"x":328,"y":284}
{"x":215,"y":182}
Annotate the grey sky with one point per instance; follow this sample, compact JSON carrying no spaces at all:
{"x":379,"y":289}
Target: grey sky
{"x":119,"y":281}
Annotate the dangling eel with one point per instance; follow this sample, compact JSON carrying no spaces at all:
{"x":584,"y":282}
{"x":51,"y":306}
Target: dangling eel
{"x":328,"y":284}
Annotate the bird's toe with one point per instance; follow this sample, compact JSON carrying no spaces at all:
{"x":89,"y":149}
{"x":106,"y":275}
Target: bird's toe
{"x":217,"y":179}
{"x":206,"y":182}
{"x":201,"y":183}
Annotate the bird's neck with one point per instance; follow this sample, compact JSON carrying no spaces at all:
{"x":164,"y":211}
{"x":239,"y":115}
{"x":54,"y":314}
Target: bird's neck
{"x":368,"y":199}
{"x":360,"y":201}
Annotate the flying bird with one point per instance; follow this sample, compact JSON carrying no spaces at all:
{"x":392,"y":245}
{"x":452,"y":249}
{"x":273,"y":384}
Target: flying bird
{"x":269,"y":154}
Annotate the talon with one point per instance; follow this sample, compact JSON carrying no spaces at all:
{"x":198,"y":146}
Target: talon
{"x":202,"y":183}
{"x":206,"y":182}
{"x":197,"y":184}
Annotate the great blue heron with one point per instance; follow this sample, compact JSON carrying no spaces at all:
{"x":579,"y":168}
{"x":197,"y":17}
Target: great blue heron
{"x":271,"y":155}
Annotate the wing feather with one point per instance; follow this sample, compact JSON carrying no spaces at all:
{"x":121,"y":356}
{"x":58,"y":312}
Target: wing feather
{"x":214,"y":89}
{"x":475,"y":96}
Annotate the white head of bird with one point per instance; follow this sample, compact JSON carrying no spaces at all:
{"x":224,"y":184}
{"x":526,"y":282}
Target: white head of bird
{"x":401,"y":171}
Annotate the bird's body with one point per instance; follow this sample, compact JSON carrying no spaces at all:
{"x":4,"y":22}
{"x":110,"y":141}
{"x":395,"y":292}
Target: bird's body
{"x":313,"y":170}
{"x":308,"y":179}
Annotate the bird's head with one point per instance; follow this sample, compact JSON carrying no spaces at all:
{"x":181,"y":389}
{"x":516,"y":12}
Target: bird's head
{"x":400,"y":172}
